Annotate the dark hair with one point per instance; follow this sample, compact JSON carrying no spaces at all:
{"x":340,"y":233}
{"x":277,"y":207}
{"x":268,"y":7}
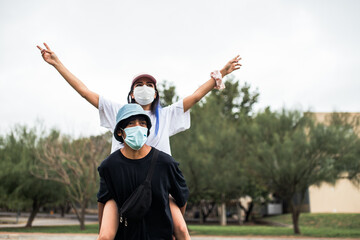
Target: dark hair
{"x":123,"y":124}
{"x":155,"y":105}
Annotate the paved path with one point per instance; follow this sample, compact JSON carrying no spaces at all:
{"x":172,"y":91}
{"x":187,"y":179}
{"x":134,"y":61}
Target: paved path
{"x":6,"y":222}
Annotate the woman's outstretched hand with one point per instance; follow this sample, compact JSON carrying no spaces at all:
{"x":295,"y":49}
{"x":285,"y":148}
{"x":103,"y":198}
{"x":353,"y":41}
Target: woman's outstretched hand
{"x":48,"y":55}
{"x":231,"y":66}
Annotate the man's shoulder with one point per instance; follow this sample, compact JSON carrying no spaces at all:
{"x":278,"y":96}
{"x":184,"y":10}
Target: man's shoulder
{"x":111,"y":159}
{"x":165,"y":158}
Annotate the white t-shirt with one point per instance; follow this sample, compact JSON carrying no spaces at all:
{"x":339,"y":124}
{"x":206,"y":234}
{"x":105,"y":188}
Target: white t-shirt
{"x":172,"y":120}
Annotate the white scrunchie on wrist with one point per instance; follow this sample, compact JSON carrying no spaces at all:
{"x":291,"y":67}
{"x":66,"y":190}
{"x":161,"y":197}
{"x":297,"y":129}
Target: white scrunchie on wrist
{"x":216,"y":75}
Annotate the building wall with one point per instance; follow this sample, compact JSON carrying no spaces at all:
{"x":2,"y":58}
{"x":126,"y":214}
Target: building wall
{"x":343,"y":197}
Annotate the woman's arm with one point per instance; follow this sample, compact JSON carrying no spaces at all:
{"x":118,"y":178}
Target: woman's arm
{"x":109,"y":221}
{"x":51,"y":58}
{"x":190,"y":101}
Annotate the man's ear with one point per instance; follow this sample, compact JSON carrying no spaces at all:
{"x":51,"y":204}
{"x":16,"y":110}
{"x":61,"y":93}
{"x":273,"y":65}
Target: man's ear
{"x":119,"y":133}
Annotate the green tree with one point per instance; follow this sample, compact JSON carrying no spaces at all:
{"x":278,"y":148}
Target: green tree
{"x":167,"y":93}
{"x":19,"y":188}
{"x":73,"y":163}
{"x":290,"y":152}
{"x":212,"y":152}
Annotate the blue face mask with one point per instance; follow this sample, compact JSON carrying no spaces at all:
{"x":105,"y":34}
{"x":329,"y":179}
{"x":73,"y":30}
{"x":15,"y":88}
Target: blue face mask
{"x":135,"y":137}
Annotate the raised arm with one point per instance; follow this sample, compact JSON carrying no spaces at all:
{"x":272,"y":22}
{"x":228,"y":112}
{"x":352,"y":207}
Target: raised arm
{"x":51,"y":58}
{"x":190,"y":101}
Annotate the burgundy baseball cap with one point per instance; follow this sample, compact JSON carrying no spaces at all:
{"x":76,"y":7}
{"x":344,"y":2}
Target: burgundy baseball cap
{"x":144,"y":75}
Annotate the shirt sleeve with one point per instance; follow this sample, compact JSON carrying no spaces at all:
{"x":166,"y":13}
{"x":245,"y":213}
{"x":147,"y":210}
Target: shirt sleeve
{"x":180,"y":120}
{"x":178,"y":188}
{"x":107,"y":113}
{"x":104,"y":194}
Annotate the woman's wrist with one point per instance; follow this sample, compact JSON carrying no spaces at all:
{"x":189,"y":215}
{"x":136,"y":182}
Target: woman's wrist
{"x":223,"y":72}
{"x":57,"y":64}
{"x":217,"y":76}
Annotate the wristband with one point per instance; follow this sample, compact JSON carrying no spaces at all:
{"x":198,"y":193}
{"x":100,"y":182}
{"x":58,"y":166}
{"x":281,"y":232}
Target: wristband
{"x":216,"y":75}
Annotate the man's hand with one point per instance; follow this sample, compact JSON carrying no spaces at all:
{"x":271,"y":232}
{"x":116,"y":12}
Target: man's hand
{"x":48,"y":55}
{"x":231,"y":66}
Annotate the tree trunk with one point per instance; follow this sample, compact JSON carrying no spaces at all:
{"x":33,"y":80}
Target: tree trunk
{"x":201,"y":214}
{"x":34,"y":211}
{"x":238,"y":209}
{"x":248,"y":211}
{"x":222,"y":210}
{"x":82,"y":216}
{"x":295,"y":213}
{"x":79,"y":216}
{"x":62,"y":210}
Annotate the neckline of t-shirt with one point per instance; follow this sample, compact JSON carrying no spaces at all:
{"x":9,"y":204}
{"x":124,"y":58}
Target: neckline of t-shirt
{"x":136,"y":161}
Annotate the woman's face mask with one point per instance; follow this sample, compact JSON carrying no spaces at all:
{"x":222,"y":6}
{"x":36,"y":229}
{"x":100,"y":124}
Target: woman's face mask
{"x":135,"y":137}
{"x":144,"y":95}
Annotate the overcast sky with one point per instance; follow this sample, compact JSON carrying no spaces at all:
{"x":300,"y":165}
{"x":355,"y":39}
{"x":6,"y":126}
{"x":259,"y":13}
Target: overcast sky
{"x":299,"y":54}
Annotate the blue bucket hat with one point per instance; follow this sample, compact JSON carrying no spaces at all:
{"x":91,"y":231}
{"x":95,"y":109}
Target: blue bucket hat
{"x":126,"y":112}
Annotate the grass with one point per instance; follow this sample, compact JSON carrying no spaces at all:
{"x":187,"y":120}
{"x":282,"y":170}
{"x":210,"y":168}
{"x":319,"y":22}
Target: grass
{"x":311,"y":225}
{"x":271,"y":231}
{"x":321,"y":220}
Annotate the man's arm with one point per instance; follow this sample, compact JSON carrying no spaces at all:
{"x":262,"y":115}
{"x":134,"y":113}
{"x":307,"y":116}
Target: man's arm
{"x":191,"y":100}
{"x":51,"y":58}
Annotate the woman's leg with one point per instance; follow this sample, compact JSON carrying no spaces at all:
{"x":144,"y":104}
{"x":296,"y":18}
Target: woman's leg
{"x":110,"y":221}
{"x":180,"y":229}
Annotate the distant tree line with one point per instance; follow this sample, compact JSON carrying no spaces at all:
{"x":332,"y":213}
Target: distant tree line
{"x":39,"y":169}
{"x":230,"y":152}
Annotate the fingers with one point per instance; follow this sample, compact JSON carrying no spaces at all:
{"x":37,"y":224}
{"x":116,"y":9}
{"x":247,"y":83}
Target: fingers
{"x":47,"y":47}
{"x":235,"y":59}
{"x":236,"y":66}
{"x":43,"y":50}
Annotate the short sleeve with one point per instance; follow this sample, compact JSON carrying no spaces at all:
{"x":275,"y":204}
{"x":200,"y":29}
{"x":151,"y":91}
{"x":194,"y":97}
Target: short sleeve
{"x":107,"y":113}
{"x":178,"y":188}
{"x":104,"y":194}
{"x":180,"y":120}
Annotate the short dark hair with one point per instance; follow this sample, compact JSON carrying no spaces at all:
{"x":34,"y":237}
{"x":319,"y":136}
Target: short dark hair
{"x":123,"y":124}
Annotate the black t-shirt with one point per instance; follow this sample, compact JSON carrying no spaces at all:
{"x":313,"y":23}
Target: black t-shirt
{"x":122,"y":176}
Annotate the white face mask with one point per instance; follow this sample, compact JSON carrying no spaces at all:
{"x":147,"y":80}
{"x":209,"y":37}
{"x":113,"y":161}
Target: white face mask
{"x":144,"y":95}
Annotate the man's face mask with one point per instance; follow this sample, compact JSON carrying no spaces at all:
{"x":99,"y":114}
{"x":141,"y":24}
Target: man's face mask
{"x":144,"y":95}
{"x":135,"y":137}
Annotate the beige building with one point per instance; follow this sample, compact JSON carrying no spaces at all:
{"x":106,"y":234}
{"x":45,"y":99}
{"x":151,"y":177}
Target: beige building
{"x":343,"y":197}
